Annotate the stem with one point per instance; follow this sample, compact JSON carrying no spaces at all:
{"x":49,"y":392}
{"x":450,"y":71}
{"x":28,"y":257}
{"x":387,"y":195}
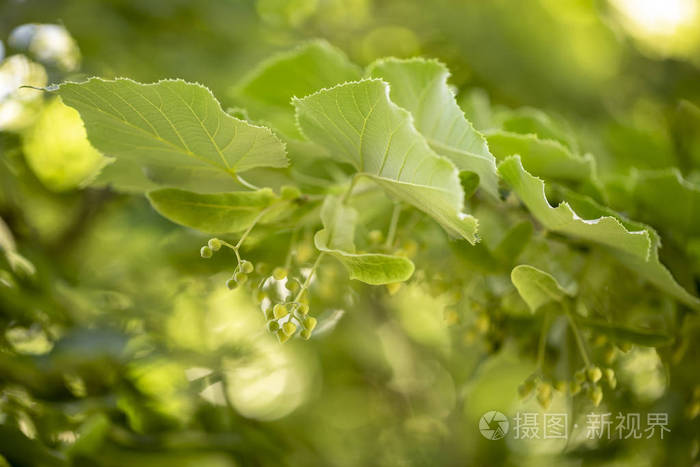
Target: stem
{"x":245,"y":183}
{"x":577,"y":335}
{"x":543,"y":341}
{"x":392,"y":225}
{"x":237,"y":246}
{"x":347,"y":194}
{"x":307,"y":282}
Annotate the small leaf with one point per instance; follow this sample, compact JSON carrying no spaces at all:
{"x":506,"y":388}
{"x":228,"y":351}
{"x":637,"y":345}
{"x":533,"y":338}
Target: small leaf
{"x":171,"y":124}
{"x":536,"y":287}
{"x":358,"y":124}
{"x":268,"y":90}
{"x":216,"y":213}
{"x":337,"y":238}
{"x":420,"y":86}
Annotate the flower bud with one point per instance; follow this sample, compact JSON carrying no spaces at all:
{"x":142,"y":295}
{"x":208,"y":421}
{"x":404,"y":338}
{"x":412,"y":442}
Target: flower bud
{"x":290,"y":192}
{"x":205,"y":252}
{"x":393,"y":288}
{"x":289,"y":328}
{"x":269,"y":314}
{"x":260,"y":295}
{"x":262,"y":268}
{"x":231,"y":284}
{"x":544,"y":395}
{"x":609,"y":374}
{"x":303,"y":309}
{"x":375,"y":237}
{"x":273,"y":326}
{"x":279,"y":273}
{"x":214,"y":244}
{"x":574,"y":388}
{"x":306,"y":334}
{"x":561,"y":386}
{"x":240,"y":277}
{"x":291,"y":285}
{"x":246,"y":266}
{"x":280,"y":310}
{"x":310,"y":323}
{"x":594,"y":374}
{"x":281,"y":336}
{"x":595,"y":394}
{"x":580,"y":376}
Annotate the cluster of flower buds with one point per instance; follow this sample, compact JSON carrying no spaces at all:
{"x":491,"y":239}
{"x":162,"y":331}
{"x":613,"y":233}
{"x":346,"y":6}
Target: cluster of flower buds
{"x":586,"y":379}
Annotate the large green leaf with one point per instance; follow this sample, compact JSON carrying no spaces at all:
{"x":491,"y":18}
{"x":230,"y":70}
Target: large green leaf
{"x":337,"y":238}
{"x":536,"y":287}
{"x":267,"y":91}
{"x":651,"y":269}
{"x":360,"y":125}
{"x":170,"y":125}
{"x":634,"y":244}
{"x":216,"y":213}
{"x":604,"y":230}
{"x":420,"y":86}
{"x":541,"y":157}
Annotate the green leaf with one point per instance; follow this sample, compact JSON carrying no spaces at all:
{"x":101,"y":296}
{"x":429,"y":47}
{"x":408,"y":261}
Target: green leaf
{"x":542,"y":158}
{"x":268,"y":90}
{"x":538,"y":288}
{"x":622,"y":333}
{"x":170,"y":124}
{"x":360,"y":125}
{"x":606,"y":230}
{"x":337,"y":239}
{"x":420,"y":86}
{"x":666,"y":200}
{"x":651,"y":268}
{"x":529,"y":121}
{"x":18,"y":263}
{"x":216,"y":213}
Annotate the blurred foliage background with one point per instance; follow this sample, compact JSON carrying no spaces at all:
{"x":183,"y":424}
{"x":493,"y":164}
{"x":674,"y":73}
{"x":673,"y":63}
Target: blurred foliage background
{"x":121,"y":347}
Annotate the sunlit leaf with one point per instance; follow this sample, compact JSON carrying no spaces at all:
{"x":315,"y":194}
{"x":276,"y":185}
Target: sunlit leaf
{"x":171,"y":124}
{"x":420,"y":86}
{"x":360,"y":125}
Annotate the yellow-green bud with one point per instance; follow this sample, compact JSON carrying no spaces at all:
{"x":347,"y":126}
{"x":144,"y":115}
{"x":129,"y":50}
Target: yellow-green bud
{"x":273,"y":326}
{"x":595,"y":394}
{"x":205,"y":252}
{"x":290,"y":192}
{"x":303,"y":308}
{"x":310,"y":323}
{"x":376,"y":236}
{"x":594,"y":374}
{"x":279,"y":273}
{"x":240,"y":277}
{"x":574,"y":388}
{"x":269,"y":314}
{"x":291,"y":285}
{"x":260,"y":295}
{"x":544,"y":395}
{"x":580,"y":376}
{"x":246,"y":266}
{"x":280,"y":310}
{"x":262,"y":268}
{"x":306,"y":334}
{"x":561,"y":386}
{"x":281,"y":336}
{"x":214,"y":244}
{"x":289,"y":328}
{"x":231,"y":284}
{"x":393,"y":288}
{"x":610,"y":377}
